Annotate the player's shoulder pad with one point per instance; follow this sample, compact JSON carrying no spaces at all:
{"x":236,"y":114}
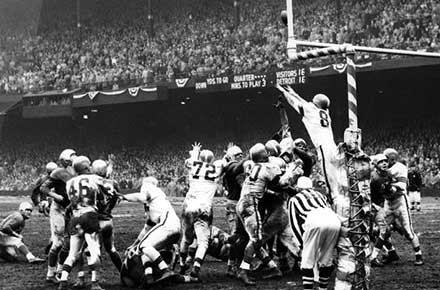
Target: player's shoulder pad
{"x":61,"y":174}
{"x":16,"y":215}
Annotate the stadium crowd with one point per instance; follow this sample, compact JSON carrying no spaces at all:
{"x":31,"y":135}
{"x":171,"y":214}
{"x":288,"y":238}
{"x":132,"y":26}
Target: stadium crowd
{"x":22,"y":164}
{"x":117,"y":48}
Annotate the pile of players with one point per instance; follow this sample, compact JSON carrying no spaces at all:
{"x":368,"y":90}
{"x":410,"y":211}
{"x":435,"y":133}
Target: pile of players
{"x":272,"y":210}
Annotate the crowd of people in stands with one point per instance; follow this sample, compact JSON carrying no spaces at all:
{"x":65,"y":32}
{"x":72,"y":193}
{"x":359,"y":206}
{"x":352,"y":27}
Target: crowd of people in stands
{"x":22,"y":164}
{"x":116,"y":47}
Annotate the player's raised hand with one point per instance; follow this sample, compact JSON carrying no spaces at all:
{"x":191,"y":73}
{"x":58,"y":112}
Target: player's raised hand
{"x":197,"y":146}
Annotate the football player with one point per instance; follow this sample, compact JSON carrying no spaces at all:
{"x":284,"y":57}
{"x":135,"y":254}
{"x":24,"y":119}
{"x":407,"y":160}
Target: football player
{"x":11,"y":240}
{"x":106,"y":201}
{"x":161,"y":232}
{"x":55,"y":187}
{"x":316,"y":119}
{"x":396,"y":206}
{"x":233,"y":178}
{"x":261,"y":175}
{"x":415,"y":183}
{"x":83,"y":191}
{"x":197,"y":216}
{"x":381,"y":180}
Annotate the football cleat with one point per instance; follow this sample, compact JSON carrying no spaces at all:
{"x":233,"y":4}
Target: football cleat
{"x":52,"y":280}
{"x":392,"y":257}
{"x":418,"y":261}
{"x":36,"y":260}
{"x":273,"y":273}
{"x":243,"y":276}
{"x":376,"y":263}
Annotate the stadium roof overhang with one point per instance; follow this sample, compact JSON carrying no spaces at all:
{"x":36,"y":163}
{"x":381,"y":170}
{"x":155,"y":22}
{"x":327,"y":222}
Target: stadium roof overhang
{"x":9,"y":103}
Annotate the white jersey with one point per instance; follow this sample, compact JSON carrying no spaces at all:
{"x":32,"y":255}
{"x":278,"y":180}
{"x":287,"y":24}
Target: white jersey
{"x":203,"y":184}
{"x":400,"y":177}
{"x":156,"y":202}
{"x":317,"y":122}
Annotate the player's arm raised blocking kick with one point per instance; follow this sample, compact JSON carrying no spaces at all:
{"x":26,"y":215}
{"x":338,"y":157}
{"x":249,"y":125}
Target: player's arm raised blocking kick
{"x":161,"y":232}
{"x":204,"y":174}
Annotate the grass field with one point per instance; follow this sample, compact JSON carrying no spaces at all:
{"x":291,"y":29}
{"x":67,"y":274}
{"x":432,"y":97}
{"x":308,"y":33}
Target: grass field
{"x":129,"y":221}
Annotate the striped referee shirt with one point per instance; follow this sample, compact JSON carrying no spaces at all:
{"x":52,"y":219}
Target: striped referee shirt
{"x":300,"y":206}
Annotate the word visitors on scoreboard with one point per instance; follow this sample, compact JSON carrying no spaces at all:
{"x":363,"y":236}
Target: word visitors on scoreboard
{"x":291,"y":77}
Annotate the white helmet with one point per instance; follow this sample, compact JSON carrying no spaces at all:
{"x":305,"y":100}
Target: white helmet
{"x":278,"y":162}
{"x":81,"y":164}
{"x":380,"y":157}
{"x":206,"y":156}
{"x":390,"y":153}
{"x":321,"y":101}
{"x":152,"y":180}
{"x":304,"y":183}
{"x":99,"y":167}
{"x":299,"y":141}
{"x":67,"y":156}
{"x":233,"y":151}
{"x":51,"y":166}
{"x":25,"y":205}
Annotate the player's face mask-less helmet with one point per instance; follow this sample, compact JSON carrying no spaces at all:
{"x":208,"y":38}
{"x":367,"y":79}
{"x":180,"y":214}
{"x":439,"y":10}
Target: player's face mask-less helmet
{"x":258,"y":153}
{"x":381,"y":161}
{"x":99,"y":167}
{"x":391,"y":155}
{"x":81,"y":164}
{"x":151,"y":180}
{"x":321,"y":101}
{"x":67,"y":156}
{"x":304,"y":183}
{"x":206,"y":156}
{"x":353,"y":138}
{"x":300,"y":143}
{"x":25,"y":209}
{"x":273,"y":148}
{"x":234,"y":153}
{"x":51,"y":166}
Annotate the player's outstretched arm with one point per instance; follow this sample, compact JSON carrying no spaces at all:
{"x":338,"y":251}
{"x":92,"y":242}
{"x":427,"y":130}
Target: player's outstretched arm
{"x":135,"y":197}
{"x":292,"y":97}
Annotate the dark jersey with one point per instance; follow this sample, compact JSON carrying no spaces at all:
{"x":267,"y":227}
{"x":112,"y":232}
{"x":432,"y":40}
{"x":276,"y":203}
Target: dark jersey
{"x":307,"y":159}
{"x":37,"y":195}
{"x":12,"y":223}
{"x":414,"y":180}
{"x":107,"y":199}
{"x":57,"y":180}
{"x":233,"y":179}
{"x":380,"y":186}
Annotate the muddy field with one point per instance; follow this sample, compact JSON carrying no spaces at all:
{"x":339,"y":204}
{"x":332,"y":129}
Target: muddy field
{"x":129,"y":221}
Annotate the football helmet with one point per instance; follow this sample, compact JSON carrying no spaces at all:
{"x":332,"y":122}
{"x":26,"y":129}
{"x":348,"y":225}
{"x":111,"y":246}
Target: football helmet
{"x":25,"y":205}
{"x":300,"y":143}
{"x":304,"y":183}
{"x":390,"y":153}
{"x":67,"y":156}
{"x":258,"y":153}
{"x":233,"y":152}
{"x":273,"y":148}
{"x":321,"y":101}
{"x":51,"y":166}
{"x":81,"y":164}
{"x":206,"y":156}
{"x":278,"y":162}
{"x":99,"y":167}
{"x":380,"y":157}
